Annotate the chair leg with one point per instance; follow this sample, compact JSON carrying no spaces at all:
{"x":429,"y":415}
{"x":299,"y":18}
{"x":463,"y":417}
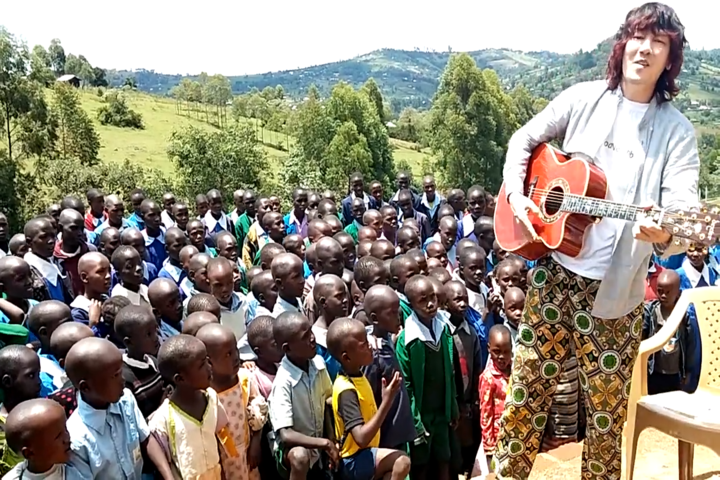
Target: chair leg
{"x":632,"y":433}
{"x":686,"y":452}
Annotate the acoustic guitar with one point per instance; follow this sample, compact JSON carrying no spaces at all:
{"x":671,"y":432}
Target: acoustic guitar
{"x":570,"y":193}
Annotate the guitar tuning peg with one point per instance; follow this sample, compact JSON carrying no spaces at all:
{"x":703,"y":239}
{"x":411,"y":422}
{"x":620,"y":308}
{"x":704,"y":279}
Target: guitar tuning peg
{"x":707,"y":219}
{"x":677,"y":242}
{"x":714,"y":210}
{"x":701,"y":236}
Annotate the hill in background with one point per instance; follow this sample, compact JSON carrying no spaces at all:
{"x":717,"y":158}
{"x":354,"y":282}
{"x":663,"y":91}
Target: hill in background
{"x":410,"y":78}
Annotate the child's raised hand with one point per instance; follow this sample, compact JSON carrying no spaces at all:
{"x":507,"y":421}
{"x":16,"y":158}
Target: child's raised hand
{"x":389,"y":390}
{"x":494,"y":302}
{"x":250,"y":366}
{"x":94,"y":312}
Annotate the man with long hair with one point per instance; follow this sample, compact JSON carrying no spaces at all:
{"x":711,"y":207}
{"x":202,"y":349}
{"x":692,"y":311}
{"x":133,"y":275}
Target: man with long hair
{"x":648,"y":151}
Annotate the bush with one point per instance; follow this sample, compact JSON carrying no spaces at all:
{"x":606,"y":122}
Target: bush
{"x":117,"y":113}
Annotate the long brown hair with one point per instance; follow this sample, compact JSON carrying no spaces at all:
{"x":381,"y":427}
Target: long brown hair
{"x":656,"y":18}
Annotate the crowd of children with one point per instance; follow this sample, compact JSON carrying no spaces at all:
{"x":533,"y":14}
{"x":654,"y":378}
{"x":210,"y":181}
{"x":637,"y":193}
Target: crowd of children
{"x":357,"y":339}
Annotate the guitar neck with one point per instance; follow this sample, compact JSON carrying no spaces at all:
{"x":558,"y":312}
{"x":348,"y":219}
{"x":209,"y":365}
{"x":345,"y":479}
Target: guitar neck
{"x":596,"y":207}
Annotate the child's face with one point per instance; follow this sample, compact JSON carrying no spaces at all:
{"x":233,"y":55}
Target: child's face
{"x":168,"y":203}
{"x":473,"y":270}
{"x":152,"y":218}
{"x":224,"y":358}
{"x":53,"y":443}
{"x":696,"y":256}
{"x":457,"y":299}
{"x":182,"y":216}
{"x":268,"y":350}
{"x":227,"y":247}
{"x":97,"y":206}
{"x":105,"y":385}
{"x":408,"y":270}
{"x":376,"y":190}
{"x":138,"y":243}
{"x":300,"y":203}
{"x":198,"y":372}
{"x":408,"y":242}
{"x":357,"y":352}
{"x":335,"y":304}
{"x":390,"y":221}
{"x":301,"y":347}
{"x":668,"y":292}
{"x":388,"y":318}
{"x":26,"y":385}
{"x":296,"y":247}
{"x":136,"y":201}
{"x":507,"y":277}
{"x":358,"y":209}
{"x":387,"y":252}
{"x":222,"y":285}
{"x":196,"y":233}
{"x":514,"y":305}
{"x":174,"y":244}
{"x":422,"y":263}
{"x":216,"y":205}
{"x":19,"y":283}
{"x":476,"y":204}
{"x":293,"y":284}
{"x":115,"y":213}
{"x":349,"y":254}
{"x":97,"y":276}
{"x":500,"y":254}
{"x":201,"y":207}
{"x":378,"y":276}
{"x":132,"y":270}
{"x":376,"y":223}
{"x":448,"y":234}
{"x":439,"y":293}
{"x":501,"y":351}
{"x":42,"y":242}
{"x":110,"y":244}
{"x":170,"y":306}
{"x":200,"y":279}
{"x":424,"y":301}
{"x":74,"y":232}
{"x":144,"y":339}
{"x":3,"y":228}
{"x":274,"y":203}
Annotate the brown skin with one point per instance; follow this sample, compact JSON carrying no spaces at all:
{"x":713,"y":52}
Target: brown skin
{"x":22,"y":381}
{"x":382,"y":307}
{"x":65,"y":336}
{"x":175,"y":241}
{"x":456,"y":296}
{"x":15,"y":281}
{"x":668,"y":291}
{"x":196,"y":320}
{"x":45,"y":318}
{"x":197,"y":272}
{"x":130,"y":272}
{"x":407,"y":239}
{"x":287,"y":272}
{"x":46,"y":439}
{"x":295,"y":244}
{"x":508,"y":276}
{"x":514,"y":301}
{"x":94,"y":269}
{"x":374,"y":220}
{"x":164,"y":296}
{"x":196,"y":234}
{"x":331,"y":299}
{"x":221,"y":280}
{"x":109,"y":241}
{"x":192,"y":380}
{"x":143,"y":340}
{"x":367,"y":233}
{"x":437,"y":250}
{"x":40,"y":235}
{"x":134,"y":238}
{"x":423,"y":300}
{"x":472,"y":268}
{"x":330,"y":257}
{"x":405,"y":270}
{"x":382,"y":249}
{"x":186,"y":253}
{"x":500,"y":349}
{"x":181,"y":215}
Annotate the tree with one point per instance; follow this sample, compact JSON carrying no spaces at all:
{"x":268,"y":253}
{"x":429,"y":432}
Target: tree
{"x":40,"y":66}
{"x":218,"y":93}
{"x":372,"y":90}
{"x":410,"y":126}
{"x":98,"y":78}
{"x":117,"y":112}
{"x":471,"y":122}
{"x":77,"y":137}
{"x":27,"y":129}
{"x":224,"y":159}
{"x":57,"y":57}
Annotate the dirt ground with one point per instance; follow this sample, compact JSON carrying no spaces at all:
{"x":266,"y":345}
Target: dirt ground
{"x":657,"y":459}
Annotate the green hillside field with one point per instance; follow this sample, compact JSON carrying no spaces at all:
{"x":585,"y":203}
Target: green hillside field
{"x":148,"y":147}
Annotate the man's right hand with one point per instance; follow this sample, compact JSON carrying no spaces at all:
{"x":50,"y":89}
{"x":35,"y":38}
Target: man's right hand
{"x":521,"y":206}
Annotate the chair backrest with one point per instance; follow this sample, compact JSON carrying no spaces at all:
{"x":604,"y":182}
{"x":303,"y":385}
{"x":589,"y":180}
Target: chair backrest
{"x":706,"y":301}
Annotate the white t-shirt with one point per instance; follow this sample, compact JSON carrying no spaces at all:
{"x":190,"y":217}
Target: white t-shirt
{"x":621,"y":150}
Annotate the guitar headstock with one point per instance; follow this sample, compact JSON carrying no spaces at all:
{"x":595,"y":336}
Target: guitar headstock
{"x":701,"y":225}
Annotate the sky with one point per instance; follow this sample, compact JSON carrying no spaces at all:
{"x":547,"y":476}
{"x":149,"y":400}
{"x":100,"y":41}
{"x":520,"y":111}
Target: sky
{"x":246,"y":37}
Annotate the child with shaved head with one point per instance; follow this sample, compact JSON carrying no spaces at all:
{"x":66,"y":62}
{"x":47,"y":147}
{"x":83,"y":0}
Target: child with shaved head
{"x":36,"y":430}
{"x":358,"y":418}
{"x":287,"y":272}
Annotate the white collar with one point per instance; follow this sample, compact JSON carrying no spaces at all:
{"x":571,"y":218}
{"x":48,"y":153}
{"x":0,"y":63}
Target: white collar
{"x":316,"y":365}
{"x":415,"y":330}
{"x":366,"y":199}
{"x":463,"y":326}
{"x":693,"y":275}
{"x":149,"y":240}
{"x":438,"y":199}
{"x":166,"y":219}
{"x":210,"y":221}
{"x":147,"y":363}
{"x":49,"y":270}
{"x":81,"y":302}
{"x":468,"y":225}
{"x":320,"y":335}
{"x":174,"y":271}
{"x":135,"y":298}
{"x":281,"y":306}
{"x":293,"y":219}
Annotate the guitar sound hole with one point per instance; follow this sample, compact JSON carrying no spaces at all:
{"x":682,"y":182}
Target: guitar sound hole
{"x":554,"y":200}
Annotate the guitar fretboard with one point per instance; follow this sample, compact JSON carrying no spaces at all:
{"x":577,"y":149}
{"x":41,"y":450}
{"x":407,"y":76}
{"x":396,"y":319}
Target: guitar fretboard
{"x":600,"y":208}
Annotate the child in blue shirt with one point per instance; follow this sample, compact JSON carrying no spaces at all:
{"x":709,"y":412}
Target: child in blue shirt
{"x":94,"y":269}
{"x":16,"y":286}
{"x":154,"y":234}
{"x":331,"y":302}
{"x":41,"y":237}
{"x":175,"y":241}
{"x":134,"y":238}
{"x":42,"y":321}
{"x":108,"y":433}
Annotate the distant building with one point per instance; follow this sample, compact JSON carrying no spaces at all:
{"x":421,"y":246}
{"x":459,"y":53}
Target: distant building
{"x":71,"y":79}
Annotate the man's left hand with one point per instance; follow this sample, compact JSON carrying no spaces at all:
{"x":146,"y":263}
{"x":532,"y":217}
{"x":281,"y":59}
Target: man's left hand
{"x":647,"y":230}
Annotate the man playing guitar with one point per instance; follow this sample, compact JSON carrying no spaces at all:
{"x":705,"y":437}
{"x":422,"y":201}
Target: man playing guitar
{"x":648,"y":152}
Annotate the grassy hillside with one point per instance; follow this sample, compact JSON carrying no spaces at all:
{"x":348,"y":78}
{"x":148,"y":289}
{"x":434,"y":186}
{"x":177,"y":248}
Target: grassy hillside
{"x":148,"y":147}
{"x":410,"y":78}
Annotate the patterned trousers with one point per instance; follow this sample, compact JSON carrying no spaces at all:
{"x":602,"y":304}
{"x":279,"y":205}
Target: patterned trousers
{"x":556,"y":313}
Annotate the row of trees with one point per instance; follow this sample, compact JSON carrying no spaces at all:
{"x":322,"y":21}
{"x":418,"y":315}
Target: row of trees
{"x":208,"y":95}
{"x":48,"y":64}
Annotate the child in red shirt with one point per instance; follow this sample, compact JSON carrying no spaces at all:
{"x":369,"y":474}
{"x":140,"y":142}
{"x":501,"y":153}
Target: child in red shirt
{"x":494,"y":386}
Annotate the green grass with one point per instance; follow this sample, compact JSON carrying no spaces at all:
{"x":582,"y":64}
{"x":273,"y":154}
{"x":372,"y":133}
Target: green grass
{"x":148,"y":147}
